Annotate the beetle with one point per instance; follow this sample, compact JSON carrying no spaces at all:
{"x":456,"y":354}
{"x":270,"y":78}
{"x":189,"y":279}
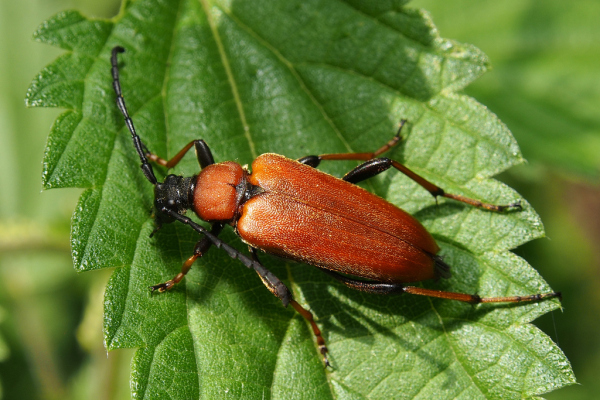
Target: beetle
{"x":290,"y":209}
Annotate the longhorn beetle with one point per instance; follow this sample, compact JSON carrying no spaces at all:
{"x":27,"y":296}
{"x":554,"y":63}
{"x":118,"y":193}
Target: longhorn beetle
{"x":290,"y":209}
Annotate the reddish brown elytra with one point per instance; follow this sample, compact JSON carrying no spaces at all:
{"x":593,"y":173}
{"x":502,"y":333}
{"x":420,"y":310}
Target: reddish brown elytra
{"x":284,"y":206}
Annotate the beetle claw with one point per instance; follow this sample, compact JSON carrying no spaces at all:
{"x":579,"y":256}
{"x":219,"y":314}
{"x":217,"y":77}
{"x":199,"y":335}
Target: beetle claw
{"x":162,"y":287}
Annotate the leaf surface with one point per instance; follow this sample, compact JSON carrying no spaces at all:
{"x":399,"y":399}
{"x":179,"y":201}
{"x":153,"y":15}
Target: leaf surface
{"x":544,"y":83}
{"x":295,"y":78}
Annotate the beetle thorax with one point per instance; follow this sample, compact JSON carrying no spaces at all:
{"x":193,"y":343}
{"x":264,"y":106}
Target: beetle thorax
{"x":219,"y":191}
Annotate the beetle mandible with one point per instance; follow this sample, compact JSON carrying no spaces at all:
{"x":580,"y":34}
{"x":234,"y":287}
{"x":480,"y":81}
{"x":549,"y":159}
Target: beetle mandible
{"x":371,"y":245}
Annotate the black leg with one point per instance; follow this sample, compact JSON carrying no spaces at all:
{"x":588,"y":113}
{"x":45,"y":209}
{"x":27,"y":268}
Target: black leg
{"x":273,"y":286}
{"x":314,"y":161}
{"x":366,"y":286}
{"x":311,"y":161}
{"x":388,"y":288}
{"x":203,"y":153}
{"x":368,"y":170}
{"x":374,"y":166}
{"x":377,"y":165}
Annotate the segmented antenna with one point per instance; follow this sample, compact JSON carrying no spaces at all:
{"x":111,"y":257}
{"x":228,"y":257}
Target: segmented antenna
{"x":137,"y":142}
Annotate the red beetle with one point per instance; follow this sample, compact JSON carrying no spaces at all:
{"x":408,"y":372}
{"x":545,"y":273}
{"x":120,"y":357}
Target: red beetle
{"x":291,"y":209}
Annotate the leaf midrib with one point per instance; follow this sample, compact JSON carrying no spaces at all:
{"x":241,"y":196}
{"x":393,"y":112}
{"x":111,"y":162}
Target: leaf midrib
{"x":230,"y":77}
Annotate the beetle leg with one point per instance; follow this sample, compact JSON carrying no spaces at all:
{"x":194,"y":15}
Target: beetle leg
{"x":374,"y":166}
{"x":307,"y":315}
{"x":316,"y":331}
{"x":271,"y":284}
{"x":199,"y":250}
{"x":476,"y":299}
{"x":378,"y":165}
{"x":311,"y":161}
{"x":203,"y":154}
{"x":387,"y":288}
{"x":314,"y":161}
{"x":366,"y":286}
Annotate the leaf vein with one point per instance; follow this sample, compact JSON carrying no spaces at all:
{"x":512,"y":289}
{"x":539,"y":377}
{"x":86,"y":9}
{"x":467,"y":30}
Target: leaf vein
{"x":230,"y":76}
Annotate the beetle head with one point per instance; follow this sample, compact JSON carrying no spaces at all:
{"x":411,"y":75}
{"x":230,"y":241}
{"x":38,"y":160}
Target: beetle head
{"x":176,"y":193}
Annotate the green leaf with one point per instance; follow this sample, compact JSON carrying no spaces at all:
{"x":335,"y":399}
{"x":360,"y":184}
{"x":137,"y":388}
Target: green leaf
{"x":544,"y":83}
{"x":296,"y":78}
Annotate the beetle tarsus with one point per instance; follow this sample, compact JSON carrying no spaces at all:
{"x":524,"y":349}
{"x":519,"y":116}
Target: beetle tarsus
{"x":516,"y":206}
{"x":325,"y":358}
{"x":475,"y":299}
{"x":162,"y":287}
{"x":308,"y":316}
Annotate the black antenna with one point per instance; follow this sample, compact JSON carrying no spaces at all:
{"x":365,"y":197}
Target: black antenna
{"x":280,"y":290}
{"x":137,"y":142}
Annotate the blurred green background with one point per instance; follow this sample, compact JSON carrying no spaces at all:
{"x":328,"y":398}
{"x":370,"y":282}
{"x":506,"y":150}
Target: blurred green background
{"x":51,"y":327}
{"x":544,"y":85}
